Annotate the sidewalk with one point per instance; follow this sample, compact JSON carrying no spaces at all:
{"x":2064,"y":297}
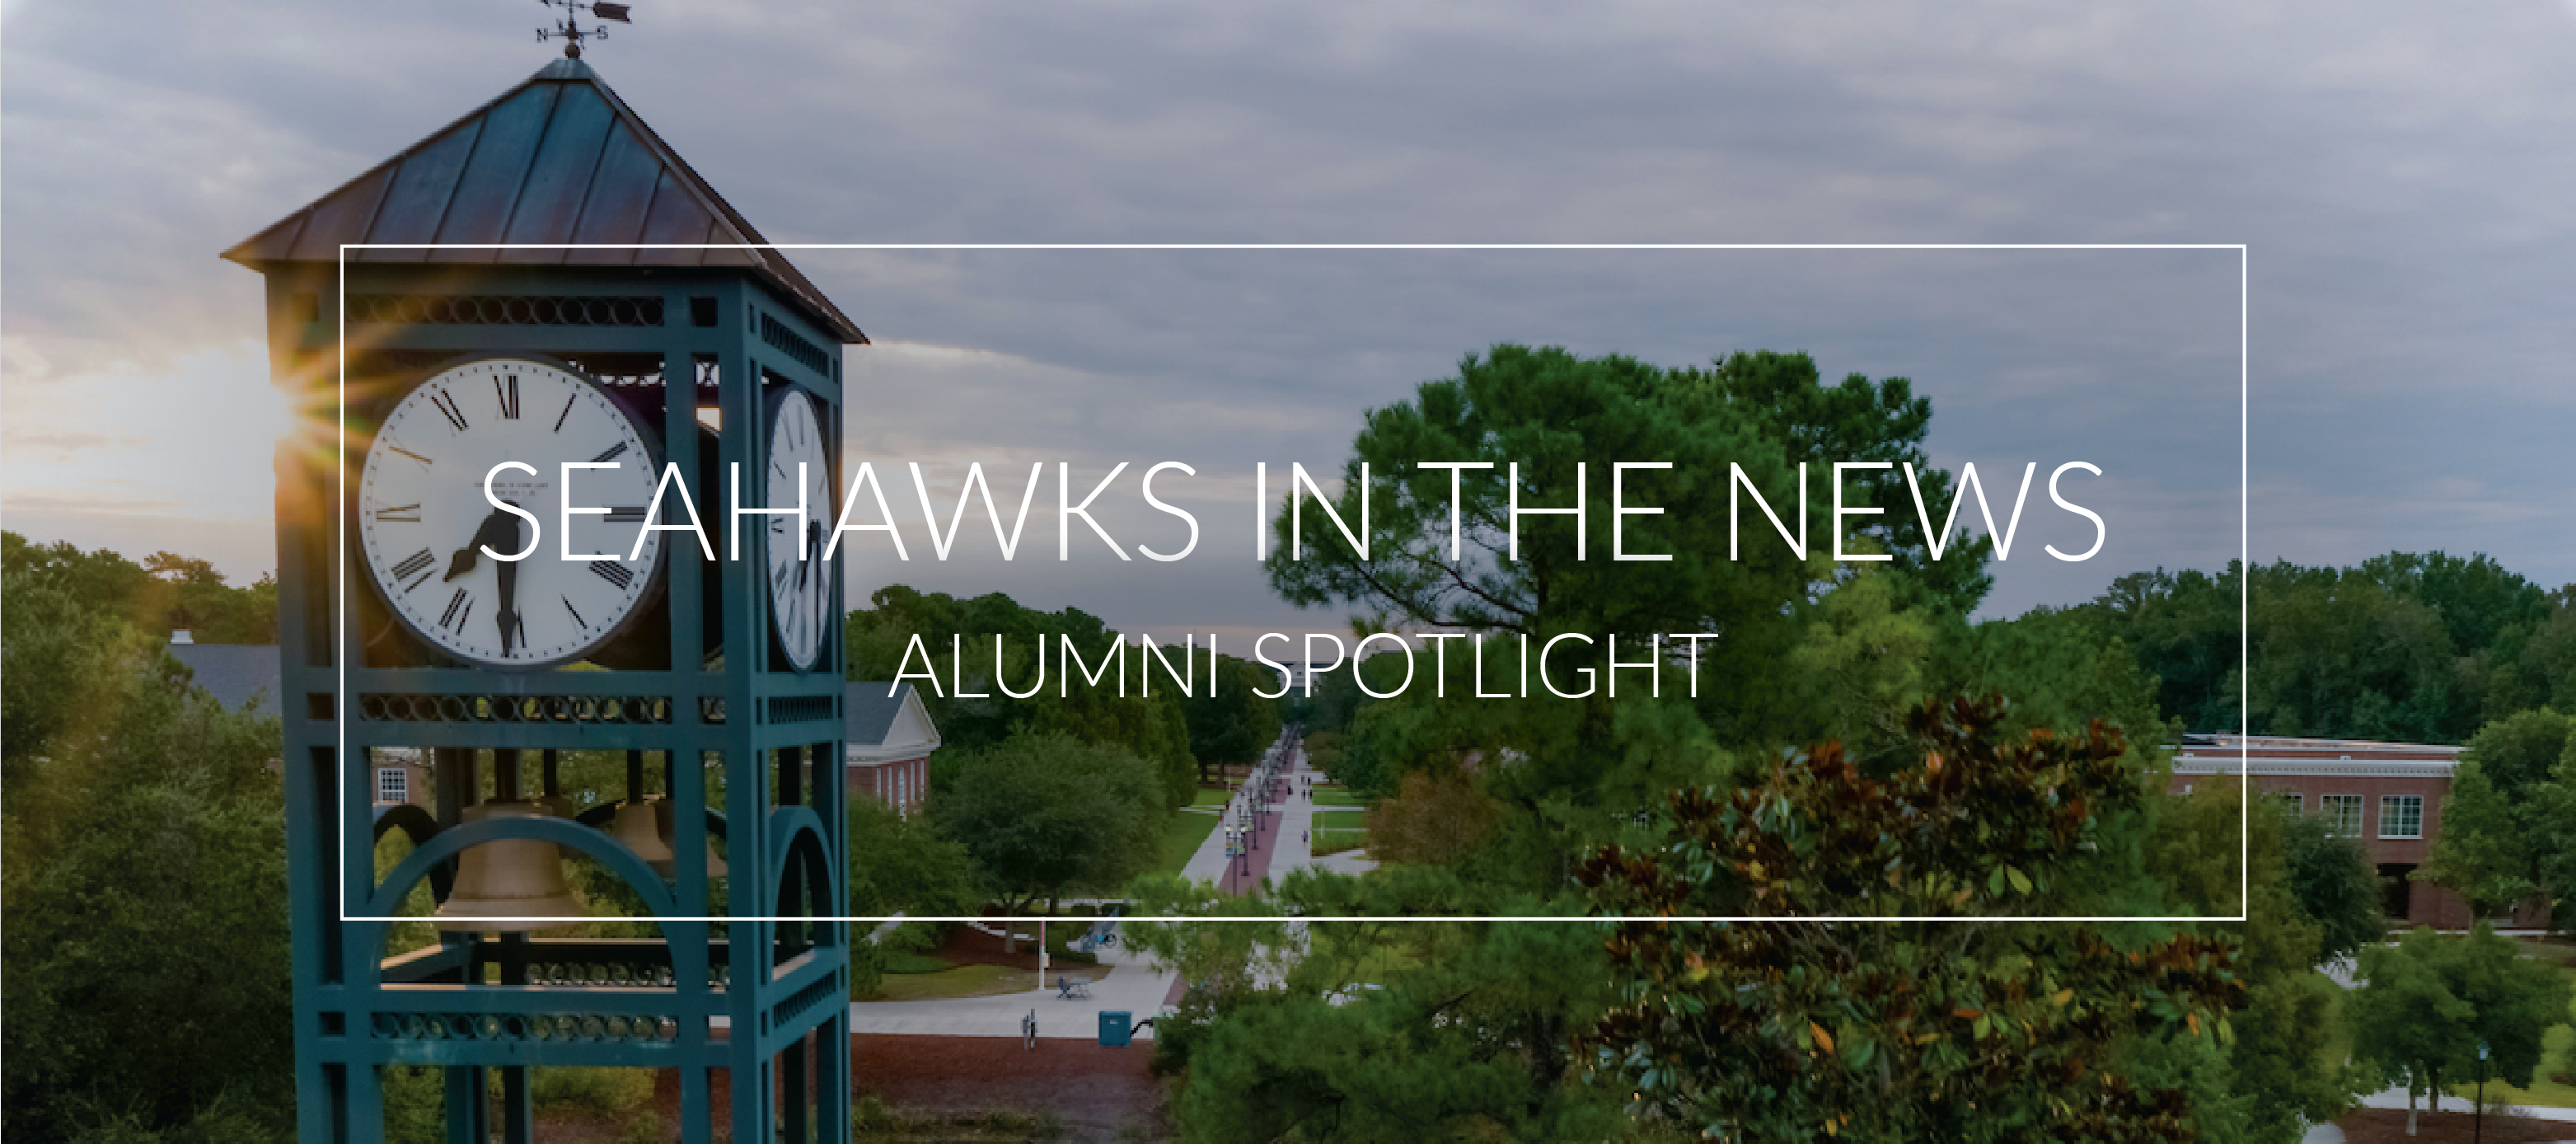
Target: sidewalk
{"x":1132,"y":985}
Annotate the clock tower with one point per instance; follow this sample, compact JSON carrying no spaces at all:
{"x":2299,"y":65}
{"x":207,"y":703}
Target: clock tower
{"x":552,"y":349}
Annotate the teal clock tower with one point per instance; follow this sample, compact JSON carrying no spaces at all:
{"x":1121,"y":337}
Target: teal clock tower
{"x":545,"y":284}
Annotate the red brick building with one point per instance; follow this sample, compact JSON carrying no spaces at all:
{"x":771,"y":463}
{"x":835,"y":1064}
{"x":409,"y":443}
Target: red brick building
{"x":889,"y":741}
{"x":2389,"y":795}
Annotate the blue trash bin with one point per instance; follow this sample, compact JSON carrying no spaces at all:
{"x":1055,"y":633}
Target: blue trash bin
{"x":1117,"y":1027}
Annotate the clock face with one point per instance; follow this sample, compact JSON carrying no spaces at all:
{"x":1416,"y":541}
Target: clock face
{"x":800,"y":580}
{"x":424,"y":522}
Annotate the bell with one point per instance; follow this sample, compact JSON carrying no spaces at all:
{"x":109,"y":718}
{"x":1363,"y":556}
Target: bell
{"x":640,"y":829}
{"x":662,"y":821}
{"x":507,"y":879}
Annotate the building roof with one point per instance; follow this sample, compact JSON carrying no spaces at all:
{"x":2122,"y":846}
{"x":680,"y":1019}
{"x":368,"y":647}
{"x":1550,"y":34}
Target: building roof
{"x":557,"y":159}
{"x":236,"y":674}
{"x":880,"y":727}
{"x":2219,"y":754}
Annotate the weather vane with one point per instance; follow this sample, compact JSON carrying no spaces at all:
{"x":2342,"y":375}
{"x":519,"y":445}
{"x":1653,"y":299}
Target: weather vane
{"x":569,"y":29}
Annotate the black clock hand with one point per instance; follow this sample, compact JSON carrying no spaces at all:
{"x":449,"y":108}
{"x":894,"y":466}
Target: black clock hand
{"x":507,"y":615}
{"x":496,"y":530}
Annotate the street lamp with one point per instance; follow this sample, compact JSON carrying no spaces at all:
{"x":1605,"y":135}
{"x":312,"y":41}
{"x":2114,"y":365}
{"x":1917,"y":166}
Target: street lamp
{"x":2479,"y":1133}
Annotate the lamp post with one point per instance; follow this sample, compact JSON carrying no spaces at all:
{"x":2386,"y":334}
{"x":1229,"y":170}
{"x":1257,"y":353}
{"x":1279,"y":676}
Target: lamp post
{"x":2479,"y":1132}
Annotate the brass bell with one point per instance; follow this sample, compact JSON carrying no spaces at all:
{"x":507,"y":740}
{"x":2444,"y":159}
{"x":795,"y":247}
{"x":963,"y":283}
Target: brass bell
{"x":662,"y":820}
{"x":639,"y":828}
{"x":507,"y":879}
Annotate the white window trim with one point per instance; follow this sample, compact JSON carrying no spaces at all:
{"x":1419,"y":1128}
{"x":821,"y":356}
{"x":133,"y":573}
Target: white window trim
{"x":2386,"y":799}
{"x":400,"y":776}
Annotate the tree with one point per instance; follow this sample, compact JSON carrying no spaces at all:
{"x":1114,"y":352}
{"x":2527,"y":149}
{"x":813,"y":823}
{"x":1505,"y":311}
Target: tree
{"x":901,"y":864}
{"x":1366,"y":1031}
{"x":1230,"y":722}
{"x":2334,"y":884}
{"x":2553,"y":838}
{"x":1435,"y":818}
{"x":1047,"y":814}
{"x":2481,"y":853}
{"x":143,"y":957}
{"x":1140,"y":713}
{"x":1963,"y":1029}
{"x":2429,"y":1001}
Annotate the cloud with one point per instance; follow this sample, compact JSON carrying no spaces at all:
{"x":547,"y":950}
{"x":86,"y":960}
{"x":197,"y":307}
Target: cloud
{"x":2388,"y":164}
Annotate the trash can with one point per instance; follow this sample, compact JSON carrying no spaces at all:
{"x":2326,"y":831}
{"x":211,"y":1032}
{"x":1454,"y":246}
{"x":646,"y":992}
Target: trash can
{"x":1117,"y":1027}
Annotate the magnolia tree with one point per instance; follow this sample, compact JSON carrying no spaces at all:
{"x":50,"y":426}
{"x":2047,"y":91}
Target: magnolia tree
{"x":1948,"y":1020}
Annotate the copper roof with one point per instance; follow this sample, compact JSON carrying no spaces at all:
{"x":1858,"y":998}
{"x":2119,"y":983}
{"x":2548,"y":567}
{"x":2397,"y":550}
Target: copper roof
{"x":557,"y":159}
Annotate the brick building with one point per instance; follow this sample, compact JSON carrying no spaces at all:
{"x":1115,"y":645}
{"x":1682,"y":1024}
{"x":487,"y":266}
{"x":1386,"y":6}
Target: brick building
{"x":2389,"y":795}
{"x":890,"y":738}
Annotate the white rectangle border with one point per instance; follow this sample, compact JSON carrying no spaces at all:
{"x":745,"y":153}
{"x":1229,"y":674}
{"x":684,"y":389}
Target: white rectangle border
{"x":2244,"y":641}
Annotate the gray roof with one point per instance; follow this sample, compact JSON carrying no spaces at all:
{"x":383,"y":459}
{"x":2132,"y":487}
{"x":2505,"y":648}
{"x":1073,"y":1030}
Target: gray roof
{"x":235,"y":673}
{"x":557,"y":159}
{"x":871,"y":712}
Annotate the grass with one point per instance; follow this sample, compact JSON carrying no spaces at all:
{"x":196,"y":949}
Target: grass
{"x":1182,"y":836}
{"x":906,"y":961}
{"x":1336,"y":841}
{"x":872,"y":1120}
{"x":1335,"y":796}
{"x":971,"y":981}
{"x":1211,"y":798}
{"x":1341,"y":819}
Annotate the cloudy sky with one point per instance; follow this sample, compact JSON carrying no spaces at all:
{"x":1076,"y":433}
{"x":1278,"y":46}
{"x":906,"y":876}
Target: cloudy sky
{"x":2400,"y":174}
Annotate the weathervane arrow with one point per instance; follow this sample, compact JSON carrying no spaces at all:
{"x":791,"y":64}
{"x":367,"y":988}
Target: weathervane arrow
{"x":569,"y":29}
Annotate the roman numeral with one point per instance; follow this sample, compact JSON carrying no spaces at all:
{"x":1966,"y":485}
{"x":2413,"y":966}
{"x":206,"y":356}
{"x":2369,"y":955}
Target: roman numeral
{"x":459,"y":606}
{"x":576,"y":613}
{"x":612,"y":452}
{"x":567,"y":411}
{"x":399,"y":513}
{"x":446,"y":403}
{"x":506,"y":388}
{"x":626,"y":514}
{"x":778,"y":578}
{"x":613,"y":572}
{"x":414,"y":565}
{"x":409,"y":453}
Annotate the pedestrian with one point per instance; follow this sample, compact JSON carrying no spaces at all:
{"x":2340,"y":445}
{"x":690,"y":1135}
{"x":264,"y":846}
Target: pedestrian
{"x":1301,"y":837}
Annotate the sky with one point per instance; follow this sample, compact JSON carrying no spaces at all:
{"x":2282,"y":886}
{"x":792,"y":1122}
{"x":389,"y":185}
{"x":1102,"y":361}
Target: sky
{"x":2397,"y":173}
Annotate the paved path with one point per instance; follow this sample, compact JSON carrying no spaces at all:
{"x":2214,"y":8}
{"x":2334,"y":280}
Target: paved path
{"x":1132,"y":985}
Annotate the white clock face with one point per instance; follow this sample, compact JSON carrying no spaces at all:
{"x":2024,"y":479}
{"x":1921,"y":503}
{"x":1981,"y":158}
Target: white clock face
{"x":424,"y":522}
{"x":800,"y":581}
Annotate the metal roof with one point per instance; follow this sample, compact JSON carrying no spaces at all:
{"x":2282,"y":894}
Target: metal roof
{"x":236,"y":674}
{"x":2219,"y":754}
{"x":869,"y":712}
{"x":557,"y":159}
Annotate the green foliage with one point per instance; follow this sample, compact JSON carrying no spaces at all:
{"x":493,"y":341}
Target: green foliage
{"x":2334,"y":884}
{"x":2516,"y":752}
{"x":1046,"y":814}
{"x":166,"y":591}
{"x":1229,"y":722}
{"x":904,"y":864}
{"x":1956,"y":1030}
{"x":1362,"y":1031}
{"x":1141,"y":713}
{"x":144,"y":956}
{"x":2481,"y":853}
{"x":2424,"y":647}
{"x":2552,"y":837}
{"x":2430,"y":1000}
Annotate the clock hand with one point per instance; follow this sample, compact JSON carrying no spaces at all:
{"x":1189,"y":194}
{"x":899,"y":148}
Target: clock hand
{"x":496,"y":530}
{"x":507,"y":614}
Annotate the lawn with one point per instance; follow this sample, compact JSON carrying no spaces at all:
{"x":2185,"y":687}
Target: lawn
{"x":1182,"y":836}
{"x":973,"y":981}
{"x":1335,"y":796}
{"x":1212,"y":798}
{"x":1340,"y":819}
